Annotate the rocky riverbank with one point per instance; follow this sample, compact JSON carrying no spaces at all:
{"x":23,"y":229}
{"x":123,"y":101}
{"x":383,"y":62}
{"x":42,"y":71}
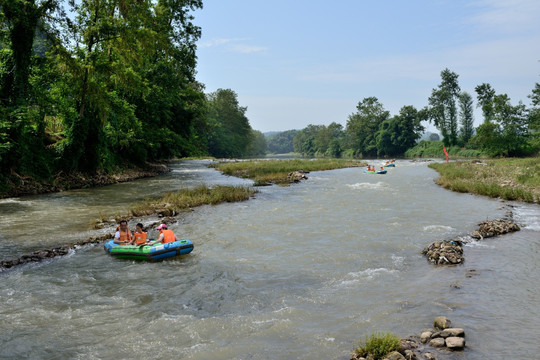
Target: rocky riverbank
{"x":19,"y":185}
{"x":438,"y":342}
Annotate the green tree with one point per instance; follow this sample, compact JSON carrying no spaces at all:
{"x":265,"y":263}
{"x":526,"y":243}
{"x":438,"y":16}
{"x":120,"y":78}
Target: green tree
{"x":231,"y":133}
{"x":400,"y":132}
{"x":443,"y":110}
{"x":258,"y":145}
{"x":362,"y":126}
{"x":466,"y":115}
{"x":304,"y":142}
{"x":485,"y":94}
{"x":508,"y":133}
{"x":281,"y":143}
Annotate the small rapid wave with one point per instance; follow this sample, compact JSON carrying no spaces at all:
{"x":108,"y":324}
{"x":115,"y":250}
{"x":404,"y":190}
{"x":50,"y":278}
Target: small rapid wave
{"x":528,"y":217}
{"x":374,"y":186}
{"x":438,"y":228}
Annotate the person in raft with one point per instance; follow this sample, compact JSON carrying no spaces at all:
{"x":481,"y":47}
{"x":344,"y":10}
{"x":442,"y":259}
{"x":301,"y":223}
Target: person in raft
{"x":165,"y":235}
{"x":139,"y":236}
{"x":122,"y":235}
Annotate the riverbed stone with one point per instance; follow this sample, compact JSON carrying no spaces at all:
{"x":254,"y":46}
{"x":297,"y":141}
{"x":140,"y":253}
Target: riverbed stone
{"x":429,"y":356}
{"x":394,"y":355}
{"x":441,"y":322}
{"x":425,"y":336}
{"x":453,"y":332}
{"x":409,"y":355}
{"x":437,"y":342}
{"x":455,"y":343}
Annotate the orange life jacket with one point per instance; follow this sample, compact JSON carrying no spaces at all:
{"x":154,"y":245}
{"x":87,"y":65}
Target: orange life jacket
{"x":140,"y":238}
{"x":168,"y":236}
{"x":124,"y":236}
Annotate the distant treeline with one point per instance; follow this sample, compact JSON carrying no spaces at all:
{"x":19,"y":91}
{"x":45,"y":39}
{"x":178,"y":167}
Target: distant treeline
{"x":507,"y":130}
{"x":94,"y":85}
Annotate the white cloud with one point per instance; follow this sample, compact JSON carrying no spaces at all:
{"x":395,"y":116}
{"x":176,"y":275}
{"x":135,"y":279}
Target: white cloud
{"x":508,"y":16}
{"x":237,"y":45}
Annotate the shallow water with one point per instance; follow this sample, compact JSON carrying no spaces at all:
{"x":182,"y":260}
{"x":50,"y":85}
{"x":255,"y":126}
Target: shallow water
{"x":299,"y":272}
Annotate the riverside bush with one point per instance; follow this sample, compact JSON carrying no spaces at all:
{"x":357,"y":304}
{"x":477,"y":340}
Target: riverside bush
{"x":378,"y":345}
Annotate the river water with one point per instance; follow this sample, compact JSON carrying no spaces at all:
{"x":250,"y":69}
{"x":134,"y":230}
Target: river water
{"x":298,"y":272}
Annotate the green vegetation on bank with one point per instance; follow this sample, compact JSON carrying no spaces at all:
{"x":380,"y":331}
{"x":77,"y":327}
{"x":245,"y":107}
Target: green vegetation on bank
{"x":379,"y":345}
{"x":263,"y":172}
{"x":434,"y":149}
{"x":509,"y":179}
{"x":185,"y":199}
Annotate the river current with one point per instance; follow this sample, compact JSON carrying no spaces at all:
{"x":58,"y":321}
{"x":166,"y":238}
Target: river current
{"x":298,"y":272}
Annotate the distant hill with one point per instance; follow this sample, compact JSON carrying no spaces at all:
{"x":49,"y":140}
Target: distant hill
{"x":430,"y":136}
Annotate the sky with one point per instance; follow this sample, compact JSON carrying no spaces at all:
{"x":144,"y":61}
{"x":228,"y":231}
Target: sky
{"x":298,"y":62}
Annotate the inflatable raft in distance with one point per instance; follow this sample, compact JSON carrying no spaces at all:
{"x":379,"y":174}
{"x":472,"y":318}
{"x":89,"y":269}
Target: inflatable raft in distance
{"x":156,"y":252}
{"x":389,"y":165}
{"x":375,"y":172}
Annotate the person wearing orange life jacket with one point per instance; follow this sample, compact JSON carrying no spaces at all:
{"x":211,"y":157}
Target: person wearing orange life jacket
{"x":165,"y":235}
{"x":139,"y":236}
{"x":122,"y":235}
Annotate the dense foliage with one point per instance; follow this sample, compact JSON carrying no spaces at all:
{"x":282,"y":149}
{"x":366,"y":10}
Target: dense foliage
{"x":282,"y":142}
{"x":95,"y":85}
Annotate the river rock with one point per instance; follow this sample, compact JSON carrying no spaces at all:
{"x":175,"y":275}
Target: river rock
{"x":409,"y":355}
{"x":297,"y":175}
{"x":426,"y":335}
{"x":455,"y":343}
{"x":441,"y":322}
{"x":394,"y":355}
{"x":437,"y":342}
{"x":453,"y":332}
{"x":430,"y":356}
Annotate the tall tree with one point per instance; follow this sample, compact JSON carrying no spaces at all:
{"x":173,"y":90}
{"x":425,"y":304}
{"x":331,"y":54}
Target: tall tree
{"x":485,"y":94}
{"x":400,"y":132}
{"x":231,"y":133}
{"x":363,"y":125}
{"x":443,"y":111}
{"x":466,"y":115}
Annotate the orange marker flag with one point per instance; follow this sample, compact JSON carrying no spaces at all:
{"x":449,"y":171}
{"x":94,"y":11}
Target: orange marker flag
{"x":445,"y":153}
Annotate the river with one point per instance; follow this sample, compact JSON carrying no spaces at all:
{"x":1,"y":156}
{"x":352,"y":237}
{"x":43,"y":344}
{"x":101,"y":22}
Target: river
{"x":298,"y":272}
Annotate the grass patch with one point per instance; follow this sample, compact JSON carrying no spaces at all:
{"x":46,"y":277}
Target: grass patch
{"x":185,"y":199}
{"x":264,"y":172}
{"x":378,"y":345}
{"x":509,"y":179}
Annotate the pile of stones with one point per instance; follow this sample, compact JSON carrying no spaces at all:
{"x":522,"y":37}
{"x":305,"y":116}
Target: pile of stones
{"x":448,"y":252}
{"x":494,"y":228}
{"x":437,"y":342}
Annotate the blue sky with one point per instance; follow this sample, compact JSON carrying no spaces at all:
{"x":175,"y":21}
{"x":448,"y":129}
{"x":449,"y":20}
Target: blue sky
{"x":300,"y":62}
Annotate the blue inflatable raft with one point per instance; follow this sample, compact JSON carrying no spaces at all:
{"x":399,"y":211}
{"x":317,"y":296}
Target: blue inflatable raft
{"x":158,"y":251}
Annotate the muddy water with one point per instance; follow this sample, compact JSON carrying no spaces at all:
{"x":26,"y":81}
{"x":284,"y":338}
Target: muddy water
{"x":299,"y":272}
